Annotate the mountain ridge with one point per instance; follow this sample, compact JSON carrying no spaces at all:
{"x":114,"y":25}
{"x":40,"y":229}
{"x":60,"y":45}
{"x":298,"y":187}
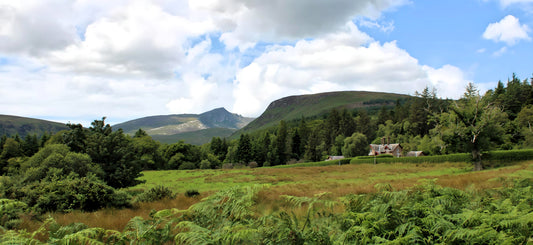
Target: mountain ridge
{"x":175,"y":127}
{"x":309,"y":105}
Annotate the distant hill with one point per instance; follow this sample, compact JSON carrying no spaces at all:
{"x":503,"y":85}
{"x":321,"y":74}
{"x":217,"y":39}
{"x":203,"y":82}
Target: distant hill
{"x":192,"y":128}
{"x":195,"y":137}
{"x":13,"y":125}
{"x":295,"y":107}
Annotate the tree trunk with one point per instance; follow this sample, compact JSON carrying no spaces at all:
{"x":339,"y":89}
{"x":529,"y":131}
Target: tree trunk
{"x":476,"y":157}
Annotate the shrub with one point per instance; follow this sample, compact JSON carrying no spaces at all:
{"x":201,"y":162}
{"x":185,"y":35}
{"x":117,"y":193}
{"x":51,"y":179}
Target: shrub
{"x":191,"y":193}
{"x":187,"y":166}
{"x":205,"y":164}
{"x":253,"y":165}
{"x":10,"y":211}
{"x":87,"y":194}
{"x":155,"y":194}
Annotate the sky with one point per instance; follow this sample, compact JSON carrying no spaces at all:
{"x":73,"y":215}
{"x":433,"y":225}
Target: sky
{"x":80,"y":60}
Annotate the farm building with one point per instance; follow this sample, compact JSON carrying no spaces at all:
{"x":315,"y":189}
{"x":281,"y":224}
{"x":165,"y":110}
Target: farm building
{"x":415,"y":154}
{"x":334,"y":158}
{"x":385,"y":148}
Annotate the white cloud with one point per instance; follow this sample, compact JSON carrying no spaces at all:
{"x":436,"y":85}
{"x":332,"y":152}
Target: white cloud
{"x":139,"y":40}
{"x":500,"y":51}
{"x":508,"y":30}
{"x":386,"y":27}
{"x":449,"y":81}
{"x":337,"y":63}
{"x":506,"y":3}
{"x":247,"y":22}
{"x":124,"y":59}
{"x":27,"y":26}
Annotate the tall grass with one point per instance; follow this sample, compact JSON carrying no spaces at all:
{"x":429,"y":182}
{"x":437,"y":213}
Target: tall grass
{"x":423,"y":214}
{"x":337,"y":180}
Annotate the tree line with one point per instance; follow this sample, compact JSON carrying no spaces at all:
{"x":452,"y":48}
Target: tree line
{"x":499,"y":119}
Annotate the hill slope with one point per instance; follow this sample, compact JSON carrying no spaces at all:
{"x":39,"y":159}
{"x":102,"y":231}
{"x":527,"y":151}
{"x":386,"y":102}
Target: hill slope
{"x":294,"y":107}
{"x":12,"y":125}
{"x":192,"y":128}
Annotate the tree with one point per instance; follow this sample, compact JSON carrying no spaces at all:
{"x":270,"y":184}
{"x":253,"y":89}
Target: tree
{"x":244,"y":149}
{"x":312,"y":150}
{"x":473,"y":123}
{"x":525,"y":117}
{"x":364,"y":124}
{"x":113,"y":151}
{"x":261,"y":148}
{"x":140,"y":133}
{"x":11,"y":149}
{"x":219,"y":147}
{"x":30,"y":145}
{"x":280,"y":147}
{"x":355,"y":145}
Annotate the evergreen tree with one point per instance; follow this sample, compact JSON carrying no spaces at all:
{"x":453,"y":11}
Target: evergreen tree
{"x":30,"y":145}
{"x":296,"y":144}
{"x":244,"y":149}
{"x":365,"y":125}
{"x":140,"y":133}
{"x":312,"y":150}
{"x":347,"y":123}
{"x":303,"y":131}
{"x":261,"y":148}
{"x":280,"y":147}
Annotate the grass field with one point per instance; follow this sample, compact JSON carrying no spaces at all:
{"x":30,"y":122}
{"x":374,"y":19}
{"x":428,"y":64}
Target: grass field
{"x":338,"y":180}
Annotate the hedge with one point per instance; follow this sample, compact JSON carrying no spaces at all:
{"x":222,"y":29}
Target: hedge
{"x":317,"y":164}
{"x":493,"y":156}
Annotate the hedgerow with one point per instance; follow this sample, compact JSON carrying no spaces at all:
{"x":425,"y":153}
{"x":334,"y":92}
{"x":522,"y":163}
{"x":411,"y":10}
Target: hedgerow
{"x":501,"y":157}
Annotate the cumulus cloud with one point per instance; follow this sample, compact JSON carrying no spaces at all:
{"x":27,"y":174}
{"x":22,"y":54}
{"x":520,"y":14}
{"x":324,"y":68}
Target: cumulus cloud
{"x":337,"y":63}
{"x":507,"y":30}
{"x":138,"y":40}
{"x":246,"y":22}
{"x":27,"y":26}
{"x":131,"y":58}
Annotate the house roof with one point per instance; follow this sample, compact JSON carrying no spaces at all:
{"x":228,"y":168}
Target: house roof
{"x":335,"y":157}
{"x":384,"y":149}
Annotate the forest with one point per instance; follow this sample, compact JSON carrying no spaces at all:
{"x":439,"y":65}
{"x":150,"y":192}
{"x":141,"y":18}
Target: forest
{"x":88,"y":168}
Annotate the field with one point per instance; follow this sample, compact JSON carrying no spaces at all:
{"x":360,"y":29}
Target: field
{"x":338,"y":181}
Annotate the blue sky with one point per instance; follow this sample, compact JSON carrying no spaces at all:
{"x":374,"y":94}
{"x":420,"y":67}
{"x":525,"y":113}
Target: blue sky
{"x":451,"y":32}
{"x":80,"y":60}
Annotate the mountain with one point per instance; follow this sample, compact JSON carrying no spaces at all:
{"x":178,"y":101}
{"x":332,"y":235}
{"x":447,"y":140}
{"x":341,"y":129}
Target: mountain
{"x":192,"y":128}
{"x":13,"y":125}
{"x":313,"y":105}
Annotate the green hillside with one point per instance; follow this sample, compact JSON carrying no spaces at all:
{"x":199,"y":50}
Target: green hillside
{"x":191,"y":128}
{"x":154,"y":122}
{"x":13,"y":125}
{"x":195,"y":137}
{"x":295,"y":107}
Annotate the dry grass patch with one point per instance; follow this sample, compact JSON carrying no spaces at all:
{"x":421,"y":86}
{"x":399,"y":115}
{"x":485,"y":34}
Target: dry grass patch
{"x":299,"y":181}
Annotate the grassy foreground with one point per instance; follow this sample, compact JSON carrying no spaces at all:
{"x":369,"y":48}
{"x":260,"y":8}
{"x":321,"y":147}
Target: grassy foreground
{"x":298,"y":181}
{"x":334,"y":190}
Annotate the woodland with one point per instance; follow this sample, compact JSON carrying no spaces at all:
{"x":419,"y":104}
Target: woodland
{"x":90,"y":168}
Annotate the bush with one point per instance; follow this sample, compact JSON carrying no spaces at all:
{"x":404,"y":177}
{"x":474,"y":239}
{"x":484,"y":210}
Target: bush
{"x":87,"y":194}
{"x":191,"y":193}
{"x":10,"y":211}
{"x":155,"y":194}
{"x":205,"y":164}
{"x":187,"y":166}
